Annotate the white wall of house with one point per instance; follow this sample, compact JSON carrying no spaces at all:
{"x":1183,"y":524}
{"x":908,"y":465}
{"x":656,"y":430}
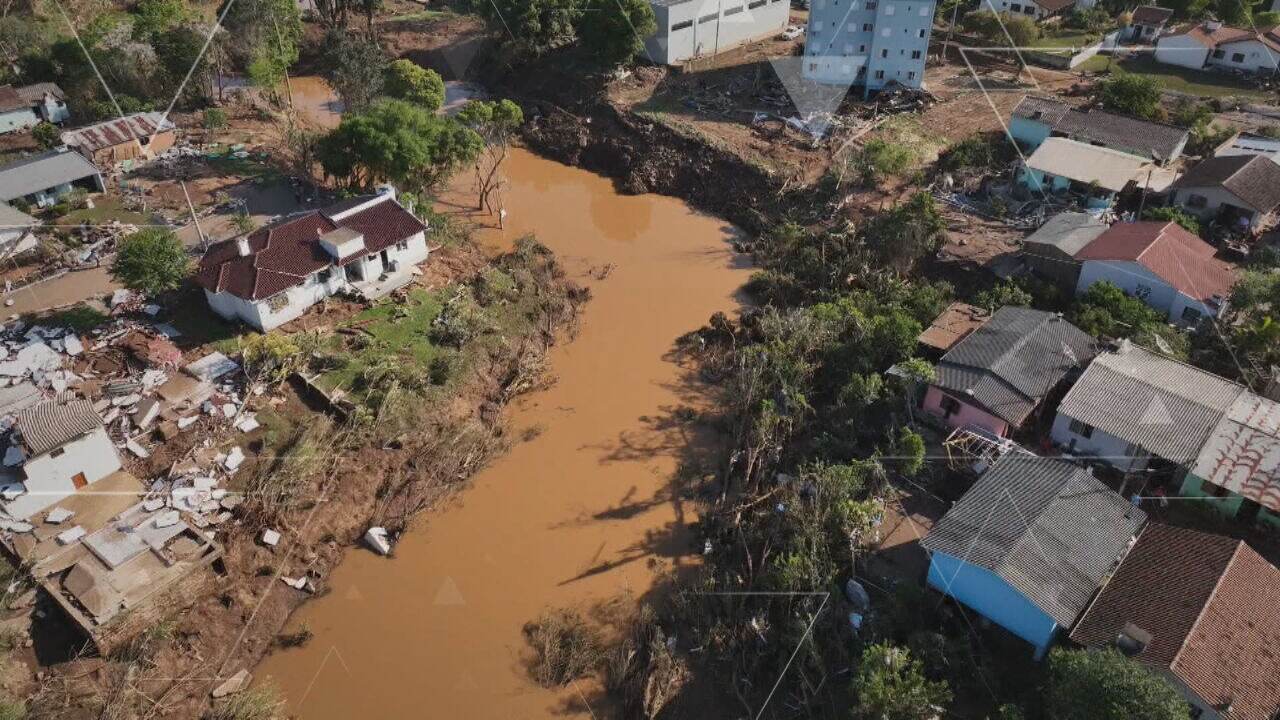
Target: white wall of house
{"x":699,"y":28}
{"x":1120,"y":454}
{"x":1206,"y":202}
{"x":1017,"y":7}
{"x":1247,"y":55}
{"x":49,"y":477}
{"x":53,"y":109}
{"x":1181,"y":50}
{"x":270,"y":313}
{"x":1140,"y":282}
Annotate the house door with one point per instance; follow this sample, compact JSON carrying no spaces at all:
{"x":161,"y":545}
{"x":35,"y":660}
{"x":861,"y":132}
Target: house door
{"x":79,"y":480}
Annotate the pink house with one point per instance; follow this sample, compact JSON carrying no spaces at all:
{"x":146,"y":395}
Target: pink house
{"x":997,"y":376}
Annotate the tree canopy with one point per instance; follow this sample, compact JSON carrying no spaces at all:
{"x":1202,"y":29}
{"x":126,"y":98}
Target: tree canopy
{"x":890,"y":685}
{"x":356,"y":67}
{"x":407,"y":80}
{"x":1105,"y":685}
{"x":151,"y":261}
{"x":396,"y":141}
{"x":614,"y":30}
{"x":1136,"y":95}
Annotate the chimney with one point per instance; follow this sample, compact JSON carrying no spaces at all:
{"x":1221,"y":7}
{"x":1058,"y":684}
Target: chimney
{"x":242,"y":246}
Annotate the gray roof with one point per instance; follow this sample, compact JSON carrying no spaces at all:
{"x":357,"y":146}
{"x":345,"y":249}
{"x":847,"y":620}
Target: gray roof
{"x":11,"y":217}
{"x":1166,"y":407}
{"x":1068,"y":232}
{"x":35,"y":93}
{"x":54,"y":423}
{"x":42,"y":171}
{"x":1118,"y":132}
{"x":1045,"y":526}
{"x":1009,"y":364}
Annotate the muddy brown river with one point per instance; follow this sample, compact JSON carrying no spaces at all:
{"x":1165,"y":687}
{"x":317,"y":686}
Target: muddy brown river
{"x":576,"y":515}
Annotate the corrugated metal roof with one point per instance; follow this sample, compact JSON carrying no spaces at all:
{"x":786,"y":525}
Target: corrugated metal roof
{"x":1111,"y":169}
{"x":1014,"y":360}
{"x":1166,"y":407}
{"x":114,"y":132}
{"x":42,"y":171}
{"x":54,"y":423}
{"x":1068,"y":232}
{"x":1242,"y":453}
{"x":1144,"y":138}
{"x":1044,"y":525}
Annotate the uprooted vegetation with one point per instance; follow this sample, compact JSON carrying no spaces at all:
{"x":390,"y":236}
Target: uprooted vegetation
{"x":409,"y":431}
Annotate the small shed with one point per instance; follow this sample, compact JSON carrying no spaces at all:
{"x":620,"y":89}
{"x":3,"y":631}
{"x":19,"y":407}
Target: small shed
{"x":1050,"y":252}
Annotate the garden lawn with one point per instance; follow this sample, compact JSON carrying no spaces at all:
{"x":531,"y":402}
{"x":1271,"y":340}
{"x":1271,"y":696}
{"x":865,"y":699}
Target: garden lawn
{"x":392,"y":330}
{"x":1178,"y":79}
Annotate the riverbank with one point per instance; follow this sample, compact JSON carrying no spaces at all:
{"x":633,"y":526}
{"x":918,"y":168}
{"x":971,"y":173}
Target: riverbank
{"x":583,"y":510}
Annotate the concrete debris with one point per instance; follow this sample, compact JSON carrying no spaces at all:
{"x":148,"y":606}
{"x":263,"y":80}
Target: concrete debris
{"x":295,"y":583}
{"x":134,"y":447}
{"x":36,"y":358}
{"x":72,"y":346}
{"x":152,"y":504}
{"x":248,"y":423}
{"x":58,"y":515}
{"x":211,"y":367}
{"x":120,"y":297}
{"x":232,"y":685}
{"x":167,"y":519}
{"x":234,"y":459}
{"x":378,"y":540}
{"x":270,"y":538}
{"x":17,"y":526}
{"x":186,"y":422}
{"x":13,"y":456}
{"x":70,"y":535}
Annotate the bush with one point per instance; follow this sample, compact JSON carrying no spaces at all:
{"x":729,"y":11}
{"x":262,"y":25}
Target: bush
{"x":151,"y":261}
{"x":1175,"y":214}
{"x":409,"y":81}
{"x":47,"y":135}
{"x":565,"y":646}
{"x":1135,"y":95}
{"x":1105,"y":685}
{"x":215,"y":119}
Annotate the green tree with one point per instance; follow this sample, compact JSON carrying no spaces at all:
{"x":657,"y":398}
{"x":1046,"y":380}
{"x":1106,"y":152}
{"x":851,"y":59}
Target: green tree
{"x":215,"y":119}
{"x":1105,"y":309}
{"x":151,"y":261}
{"x":614,"y":30}
{"x":1005,"y":293}
{"x":263,"y":37}
{"x":1105,"y":685}
{"x":907,"y":232}
{"x":890,"y":685}
{"x":407,"y":80}
{"x":1175,"y":214}
{"x":878,"y":160}
{"x":356,"y":68}
{"x":1136,"y":95}
{"x":535,"y":26}
{"x":47,"y":135}
{"x":397,"y":141}
{"x":151,"y":17}
{"x":495,"y":122}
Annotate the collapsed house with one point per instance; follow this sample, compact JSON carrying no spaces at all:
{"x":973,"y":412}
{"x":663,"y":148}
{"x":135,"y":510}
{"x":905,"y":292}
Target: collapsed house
{"x":127,"y":140}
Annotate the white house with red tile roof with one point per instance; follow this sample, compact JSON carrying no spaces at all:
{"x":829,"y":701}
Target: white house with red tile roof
{"x":1161,"y":263}
{"x":1212,"y":44}
{"x":367,"y":246}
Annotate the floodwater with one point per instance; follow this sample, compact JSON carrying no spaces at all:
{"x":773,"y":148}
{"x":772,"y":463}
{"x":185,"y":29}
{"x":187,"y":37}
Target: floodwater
{"x":578,"y":514}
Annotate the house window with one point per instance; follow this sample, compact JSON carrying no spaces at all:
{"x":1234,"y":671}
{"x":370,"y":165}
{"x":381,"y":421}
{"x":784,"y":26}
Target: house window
{"x":866,"y":27}
{"x":915,"y":54}
{"x":872,"y":4}
{"x":862,"y":48}
{"x":1197,"y":201}
{"x":402,"y":245}
{"x":682,"y":26}
{"x":1084,"y":430}
{"x":911,"y":75}
{"x":1016,"y":7}
{"x":922,"y":31}
{"x":57,"y":452}
{"x":1237,"y":57}
{"x":884,"y":52}
{"x":950,"y":406}
{"x":1028,"y":10}
{"x":733,"y":11}
{"x":706,"y":19}
{"x":756,"y":4}
{"x":1190,"y":315}
{"x":1219,"y":54}
{"x":879,"y":74}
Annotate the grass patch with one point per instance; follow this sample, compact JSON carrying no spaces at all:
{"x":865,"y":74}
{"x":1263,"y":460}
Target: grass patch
{"x":105,"y":209}
{"x":565,"y":647}
{"x":257,"y":703}
{"x":420,"y":16}
{"x":1068,"y":40}
{"x":389,"y":332}
{"x":1172,"y":77}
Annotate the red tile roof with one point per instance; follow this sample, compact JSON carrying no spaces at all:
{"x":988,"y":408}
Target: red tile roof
{"x":115,"y":132}
{"x":1171,"y":252}
{"x":1208,"y":604}
{"x":1225,"y":34}
{"x":283,"y":255}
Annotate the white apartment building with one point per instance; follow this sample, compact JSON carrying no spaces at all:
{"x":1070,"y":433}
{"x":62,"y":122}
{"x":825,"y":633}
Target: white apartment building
{"x":689,"y":29}
{"x":871,"y":43}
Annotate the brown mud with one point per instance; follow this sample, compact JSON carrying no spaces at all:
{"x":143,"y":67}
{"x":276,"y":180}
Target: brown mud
{"x":584,"y":510}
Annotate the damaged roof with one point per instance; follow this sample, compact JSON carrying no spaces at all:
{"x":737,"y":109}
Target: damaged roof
{"x":1046,"y":526}
{"x":1171,"y":252}
{"x":1151,"y":15}
{"x":281,"y":256}
{"x":115,"y":132}
{"x":953,"y":325}
{"x":54,"y":423}
{"x":1254,"y":179}
{"x":1016,"y":358}
{"x":1203,"y":608}
{"x":1242,"y":454}
{"x":1147,"y":139}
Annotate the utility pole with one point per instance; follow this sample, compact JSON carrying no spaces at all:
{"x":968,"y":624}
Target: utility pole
{"x":204,"y":241}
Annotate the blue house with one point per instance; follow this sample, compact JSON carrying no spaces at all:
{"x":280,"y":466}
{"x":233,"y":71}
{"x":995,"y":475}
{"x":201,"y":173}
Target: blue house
{"x":1029,"y":545}
{"x":1036,"y":119}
